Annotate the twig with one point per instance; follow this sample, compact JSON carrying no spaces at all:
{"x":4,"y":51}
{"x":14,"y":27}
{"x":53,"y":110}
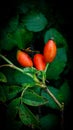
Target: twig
{"x":8,"y":61}
{"x":44,"y":73}
{"x":24,"y":92}
{"x":54,"y":98}
{"x":62,"y":117}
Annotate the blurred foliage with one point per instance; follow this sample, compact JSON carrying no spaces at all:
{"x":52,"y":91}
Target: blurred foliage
{"x":48,"y":121}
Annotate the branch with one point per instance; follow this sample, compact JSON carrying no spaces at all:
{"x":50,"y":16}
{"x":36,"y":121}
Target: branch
{"x":41,"y":84}
{"x":54,"y":98}
{"x":8,"y":61}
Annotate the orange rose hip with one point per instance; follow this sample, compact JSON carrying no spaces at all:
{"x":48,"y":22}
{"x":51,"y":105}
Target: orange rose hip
{"x":50,"y":50}
{"x":24,"y":59}
{"x":39,"y":62}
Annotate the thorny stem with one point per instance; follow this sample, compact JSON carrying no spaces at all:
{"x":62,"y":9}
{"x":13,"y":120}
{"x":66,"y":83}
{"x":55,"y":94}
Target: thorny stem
{"x":41,"y":84}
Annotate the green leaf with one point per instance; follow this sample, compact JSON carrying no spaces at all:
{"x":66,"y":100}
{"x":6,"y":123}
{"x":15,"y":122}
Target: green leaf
{"x":65,"y":93}
{"x":2,"y":94}
{"x":9,"y":73}
{"x":51,"y":103}
{"x":17,"y":77}
{"x":19,"y":38}
{"x":7,"y":42}
{"x":13,"y":91}
{"x":52,"y":33}
{"x":23,"y":8}
{"x":30,"y":71}
{"x":13,"y":108}
{"x":22,"y":79}
{"x":12,"y":24}
{"x":33,"y":99}
{"x":35,"y":21}
{"x":22,"y":37}
{"x":27,"y":37}
{"x":57,"y":66}
{"x":27,"y":117}
{"x":2,"y":78}
{"x":49,"y":121}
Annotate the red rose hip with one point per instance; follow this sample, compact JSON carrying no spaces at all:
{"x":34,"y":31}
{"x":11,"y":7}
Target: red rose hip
{"x":24,"y":59}
{"x":39,"y":62}
{"x":50,"y":50}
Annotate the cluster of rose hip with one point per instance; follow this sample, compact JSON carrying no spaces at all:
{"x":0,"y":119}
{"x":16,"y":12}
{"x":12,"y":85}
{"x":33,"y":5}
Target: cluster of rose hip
{"x":39,"y":60}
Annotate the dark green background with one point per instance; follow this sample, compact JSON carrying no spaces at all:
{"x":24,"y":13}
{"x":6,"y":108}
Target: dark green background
{"x":62,"y":8}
